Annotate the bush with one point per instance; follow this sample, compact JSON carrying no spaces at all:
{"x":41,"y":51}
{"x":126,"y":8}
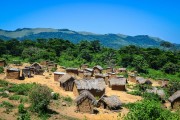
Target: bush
{"x":40,"y":98}
{"x":14,"y":97}
{"x":136,"y":92}
{"x":21,"y":89}
{"x":149,"y":110}
{"x":55,"y":96}
{"x":6,"y":104}
{"x":23,"y":114}
{"x":3,"y":83}
{"x":68,"y":99}
{"x":21,"y":109}
{"x":1,"y":70}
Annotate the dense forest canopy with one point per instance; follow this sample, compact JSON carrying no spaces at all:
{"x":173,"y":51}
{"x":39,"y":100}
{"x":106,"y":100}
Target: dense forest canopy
{"x":65,"y":53}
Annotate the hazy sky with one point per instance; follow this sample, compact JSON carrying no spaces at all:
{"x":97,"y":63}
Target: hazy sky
{"x":158,"y":18}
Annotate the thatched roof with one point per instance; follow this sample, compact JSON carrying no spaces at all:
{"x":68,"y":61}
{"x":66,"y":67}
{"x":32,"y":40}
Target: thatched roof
{"x":122,"y":69}
{"x":117,"y":81}
{"x":65,"y":78}
{"x":13,"y":69}
{"x":88,"y":69}
{"x":159,"y":92}
{"x":35,"y":65}
{"x":140,"y":80}
{"x":97,"y":84}
{"x":174,"y":96}
{"x":83,"y":95}
{"x":100,"y":75}
{"x":132,"y":75}
{"x":99,"y":67}
{"x":59,"y":73}
{"x":72,"y":69}
{"x":112,"y":101}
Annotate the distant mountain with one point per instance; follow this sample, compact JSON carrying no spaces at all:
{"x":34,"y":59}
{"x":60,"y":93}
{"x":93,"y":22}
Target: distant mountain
{"x":108,"y":40}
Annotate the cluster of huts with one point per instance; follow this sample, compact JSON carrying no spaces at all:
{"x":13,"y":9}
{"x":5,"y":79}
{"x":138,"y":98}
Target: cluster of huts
{"x":89,"y":84}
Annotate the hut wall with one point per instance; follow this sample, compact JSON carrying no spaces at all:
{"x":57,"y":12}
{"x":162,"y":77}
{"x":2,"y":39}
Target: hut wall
{"x":118,"y":87}
{"x":13,"y":74}
{"x":87,"y":77}
{"x":86,"y":106}
{"x":97,"y":71}
{"x":176,"y":104}
{"x":68,"y":85}
{"x":72,"y":72}
{"x":112,"y":76}
{"x":132,"y":79}
{"x":57,"y":76}
{"x":2,"y":63}
{"x":106,"y":80}
{"x":75,"y":90}
{"x":81,"y":74}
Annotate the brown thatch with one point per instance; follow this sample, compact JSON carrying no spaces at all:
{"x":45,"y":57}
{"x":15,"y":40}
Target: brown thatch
{"x":85,"y":102}
{"x":88,"y":69}
{"x":175,"y":96}
{"x":36,"y":66}
{"x":65,"y":78}
{"x":72,"y":71}
{"x":117,"y":81}
{"x":111,"y":102}
{"x":96,"y":84}
{"x":85,"y":94}
{"x":98,"y":67}
{"x":67,"y":82}
{"x":140,"y":80}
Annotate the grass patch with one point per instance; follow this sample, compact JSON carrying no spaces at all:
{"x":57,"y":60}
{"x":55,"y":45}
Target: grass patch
{"x":14,"y":97}
{"x":6,"y":105}
{"x":67,"y":99}
{"x":4,"y":95}
{"x":3,"y":83}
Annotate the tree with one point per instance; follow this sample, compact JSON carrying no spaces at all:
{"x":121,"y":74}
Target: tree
{"x":40,"y":97}
{"x":170,"y":68}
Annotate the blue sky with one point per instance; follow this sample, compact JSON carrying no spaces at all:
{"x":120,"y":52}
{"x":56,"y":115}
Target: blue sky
{"x":158,"y":18}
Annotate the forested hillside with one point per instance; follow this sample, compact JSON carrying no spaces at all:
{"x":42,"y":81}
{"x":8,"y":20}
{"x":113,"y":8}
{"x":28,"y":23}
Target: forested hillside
{"x":150,"y":62}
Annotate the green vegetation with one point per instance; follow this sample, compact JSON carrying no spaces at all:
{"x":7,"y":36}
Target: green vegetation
{"x":149,"y":110}
{"x":1,"y":70}
{"x":23,"y":114}
{"x":14,"y":97}
{"x":40,"y":97}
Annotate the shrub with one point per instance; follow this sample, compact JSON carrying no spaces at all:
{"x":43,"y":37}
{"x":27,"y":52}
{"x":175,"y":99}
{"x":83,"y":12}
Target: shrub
{"x":136,"y":92}
{"x":21,"y":109}
{"x":40,"y":97}
{"x":1,"y":70}
{"x":21,"y":89}
{"x":55,"y":96}
{"x":4,"y":95}
{"x":149,"y":110}
{"x":3,"y":83}
{"x":150,"y":96}
{"x":14,"y":97}
{"x":6,"y":104}
{"x":23,"y":114}
{"x":67,"y":99}
{"x":23,"y":99}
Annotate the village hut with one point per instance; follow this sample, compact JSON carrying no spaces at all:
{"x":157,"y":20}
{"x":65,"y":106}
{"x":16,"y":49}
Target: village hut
{"x":72,"y":71}
{"x":175,"y":100}
{"x":26,"y":72}
{"x":112,"y":75}
{"x":140,"y":80}
{"x":103,"y":76}
{"x":12,"y":73}
{"x":83,"y":66}
{"x":2,"y":63}
{"x":87,"y":76}
{"x":122,"y":70}
{"x":132,"y":78}
{"x":95,"y":86}
{"x":37,"y":69}
{"x":58,"y":75}
{"x":85,"y":102}
{"x":159,"y":92}
{"x":67,"y":82}
{"x":97,"y":69}
{"x":110,"y":103}
{"x":118,"y":84}
{"x":89,"y":71}
{"x":81,"y":73}
{"x":109,"y":69}
{"x":50,"y":65}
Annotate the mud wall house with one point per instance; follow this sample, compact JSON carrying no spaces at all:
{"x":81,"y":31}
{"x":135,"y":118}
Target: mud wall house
{"x":12,"y":73}
{"x":26,"y":72}
{"x":84,"y":66}
{"x":132,"y":78}
{"x":67,"y":82}
{"x":72,"y":71}
{"x":112,"y":75}
{"x":103,"y":76}
{"x":58,"y":75}
{"x":110,"y":102}
{"x":85,"y":102}
{"x":81,"y":73}
{"x":118,"y":84}
{"x":2,"y":63}
{"x":175,"y":100}
{"x":37,"y":69}
{"x":97,"y":69}
{"x":95,"y":86}
{"x":121,"y":70}
{"x":89,"y":71}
